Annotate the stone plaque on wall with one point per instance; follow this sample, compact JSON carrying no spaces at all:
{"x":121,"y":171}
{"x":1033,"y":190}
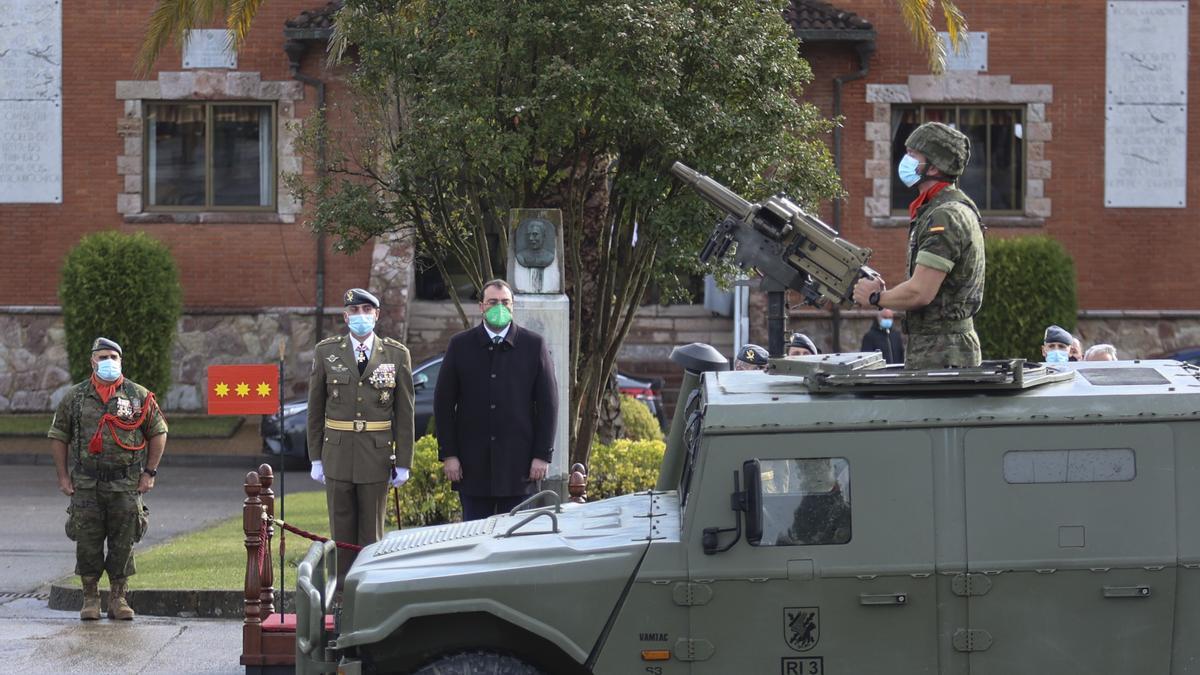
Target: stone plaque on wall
{"x":972,"y":55}
{"x":208,"y":48}
{"x":30,"y":101}
{"x":1145,"y":156}
{"x":1145,"y":119}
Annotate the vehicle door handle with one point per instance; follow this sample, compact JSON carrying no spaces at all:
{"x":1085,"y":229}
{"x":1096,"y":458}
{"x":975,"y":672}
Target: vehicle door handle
{"x":1126,"y":591}
{"x":883,"y":599}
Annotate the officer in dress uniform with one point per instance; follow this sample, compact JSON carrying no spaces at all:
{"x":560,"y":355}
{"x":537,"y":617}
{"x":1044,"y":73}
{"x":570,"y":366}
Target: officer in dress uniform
{"x":360,"y":424}
{"x":107,"y":437}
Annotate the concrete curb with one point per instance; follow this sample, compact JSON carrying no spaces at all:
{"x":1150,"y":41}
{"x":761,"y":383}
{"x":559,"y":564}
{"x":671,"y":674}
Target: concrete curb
{"x":206,"y":604}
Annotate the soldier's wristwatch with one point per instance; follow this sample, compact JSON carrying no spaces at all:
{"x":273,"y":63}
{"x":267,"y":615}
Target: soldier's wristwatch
{"x":150,"y":472}
{"x":874,"y":300}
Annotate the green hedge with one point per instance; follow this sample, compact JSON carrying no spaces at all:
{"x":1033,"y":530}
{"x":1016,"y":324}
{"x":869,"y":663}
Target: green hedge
{"x":625,"y":466}
{"x":1030,"y":284}
{"x":640,"y":423}
{"x":426,"y":499}
{"x":124,"y":287}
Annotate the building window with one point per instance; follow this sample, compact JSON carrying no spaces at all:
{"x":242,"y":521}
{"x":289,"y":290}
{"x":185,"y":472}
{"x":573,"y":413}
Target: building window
{"x":995,"y":175}
{"x":209,"y":156}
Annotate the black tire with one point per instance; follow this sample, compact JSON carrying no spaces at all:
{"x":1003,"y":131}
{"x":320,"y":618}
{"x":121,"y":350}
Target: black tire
{"x":477,"y":663}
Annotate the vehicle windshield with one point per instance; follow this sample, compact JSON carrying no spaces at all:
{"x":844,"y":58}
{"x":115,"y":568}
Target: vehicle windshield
{"x":692,"y":440}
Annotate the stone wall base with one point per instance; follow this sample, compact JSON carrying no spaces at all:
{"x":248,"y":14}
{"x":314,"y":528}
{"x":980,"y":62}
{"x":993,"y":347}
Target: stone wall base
{"x":33,"y":356}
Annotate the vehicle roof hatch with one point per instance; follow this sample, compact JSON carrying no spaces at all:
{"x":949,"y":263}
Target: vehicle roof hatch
{"x":868,"y":372}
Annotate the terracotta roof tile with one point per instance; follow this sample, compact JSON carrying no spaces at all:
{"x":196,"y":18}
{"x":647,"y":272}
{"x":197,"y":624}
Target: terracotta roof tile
{"x":315,"y":19}
{"x":808,"y":15}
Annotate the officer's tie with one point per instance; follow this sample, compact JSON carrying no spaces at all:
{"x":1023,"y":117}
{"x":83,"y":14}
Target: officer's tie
{"x":496,"y":339}
{"x":361,"y":357}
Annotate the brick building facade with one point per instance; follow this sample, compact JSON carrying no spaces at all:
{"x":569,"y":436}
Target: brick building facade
{"x":253,"y":276}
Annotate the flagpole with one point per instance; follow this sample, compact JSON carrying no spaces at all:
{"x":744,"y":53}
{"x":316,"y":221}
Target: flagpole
{"x":282,"y":475}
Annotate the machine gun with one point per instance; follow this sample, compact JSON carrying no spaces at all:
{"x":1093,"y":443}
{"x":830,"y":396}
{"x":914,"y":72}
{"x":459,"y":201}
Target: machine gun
{"x":787,"y":245}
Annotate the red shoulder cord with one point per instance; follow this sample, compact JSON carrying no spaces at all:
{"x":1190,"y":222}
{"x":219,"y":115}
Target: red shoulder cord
{"x":96,"y":444}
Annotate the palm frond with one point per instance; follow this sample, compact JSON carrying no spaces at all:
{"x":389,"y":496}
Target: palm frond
{"x":169,"y":22}
{"x":239,"y":17}
{"x":956,"y":24}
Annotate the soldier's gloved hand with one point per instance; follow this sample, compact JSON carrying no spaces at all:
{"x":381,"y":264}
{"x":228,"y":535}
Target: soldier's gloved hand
{"x":318,"y":472}
{"x":400,"y":478}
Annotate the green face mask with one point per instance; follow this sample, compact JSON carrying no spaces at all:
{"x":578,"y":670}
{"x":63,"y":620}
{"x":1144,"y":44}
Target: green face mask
{"x":498,"y":316}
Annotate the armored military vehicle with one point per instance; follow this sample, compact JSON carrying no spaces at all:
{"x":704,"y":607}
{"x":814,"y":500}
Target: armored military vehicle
{"x":832,"y":516}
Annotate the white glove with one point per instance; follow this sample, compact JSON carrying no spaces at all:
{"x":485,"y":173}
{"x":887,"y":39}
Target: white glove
{"x":318,"y":472}
{"x":400,"y":479}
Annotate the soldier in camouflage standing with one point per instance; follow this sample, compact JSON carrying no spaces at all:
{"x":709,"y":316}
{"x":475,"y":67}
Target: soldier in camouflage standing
{"x":360,"y":424}
{"x":944,"y":289}
{"x":107,"y":437}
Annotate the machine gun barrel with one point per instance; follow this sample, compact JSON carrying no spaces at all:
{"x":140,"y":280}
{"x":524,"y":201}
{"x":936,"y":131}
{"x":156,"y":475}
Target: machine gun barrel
{"x":784,"y":243}
{"x":713,"y":192}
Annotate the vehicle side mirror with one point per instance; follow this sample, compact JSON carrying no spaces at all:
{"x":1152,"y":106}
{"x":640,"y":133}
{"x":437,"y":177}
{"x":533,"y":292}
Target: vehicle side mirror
{"x":420,"y":380}
{"x":751,"y":498}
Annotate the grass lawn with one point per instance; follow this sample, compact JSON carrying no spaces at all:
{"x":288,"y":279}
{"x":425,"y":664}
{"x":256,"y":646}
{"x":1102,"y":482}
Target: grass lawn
{"x":215,"y":557}
{"x":182,"y":426}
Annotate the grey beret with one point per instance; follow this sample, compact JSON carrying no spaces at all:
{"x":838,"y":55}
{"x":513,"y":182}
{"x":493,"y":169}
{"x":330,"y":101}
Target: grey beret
{"x":105,"y":343}
{"x":1057,"y":334}
{"x":802,"y":340}
{"x":754,"y":355}
{"x":358,"y":296}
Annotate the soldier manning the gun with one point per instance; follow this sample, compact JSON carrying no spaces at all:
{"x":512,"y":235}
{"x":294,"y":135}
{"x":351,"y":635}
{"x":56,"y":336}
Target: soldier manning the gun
{"x":112,"y":433}
{"x":944,"y":288}
{"x":360,"y":424}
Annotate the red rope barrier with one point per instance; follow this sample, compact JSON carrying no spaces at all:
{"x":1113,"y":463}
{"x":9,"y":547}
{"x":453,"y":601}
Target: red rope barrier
{"x":315,"y":537}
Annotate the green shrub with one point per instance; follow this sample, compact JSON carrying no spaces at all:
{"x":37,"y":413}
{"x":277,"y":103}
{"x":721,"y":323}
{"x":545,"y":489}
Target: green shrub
{"x":640,"y":424}
{"x":126,"y":288}
{"x":1030,"y":284}
{"x":426,"y":499}
{"x":624,"y":467}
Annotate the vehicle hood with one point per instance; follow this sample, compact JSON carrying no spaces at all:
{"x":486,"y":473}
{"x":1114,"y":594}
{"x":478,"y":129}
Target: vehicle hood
{"x":507,"y":566}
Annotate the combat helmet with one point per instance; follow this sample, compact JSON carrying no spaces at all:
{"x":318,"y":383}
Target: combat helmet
{"x":946,"y":148}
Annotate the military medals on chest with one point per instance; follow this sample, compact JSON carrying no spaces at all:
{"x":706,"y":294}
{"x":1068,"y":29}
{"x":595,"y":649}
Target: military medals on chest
{"x":384,"y":379}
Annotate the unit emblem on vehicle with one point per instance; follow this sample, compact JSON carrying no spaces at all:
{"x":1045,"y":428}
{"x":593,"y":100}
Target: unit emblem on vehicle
{"x":802,"y":627}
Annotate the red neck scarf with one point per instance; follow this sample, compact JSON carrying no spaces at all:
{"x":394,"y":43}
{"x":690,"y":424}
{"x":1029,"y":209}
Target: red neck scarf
{"x":106,"y":389}
{"x":923,"y":198}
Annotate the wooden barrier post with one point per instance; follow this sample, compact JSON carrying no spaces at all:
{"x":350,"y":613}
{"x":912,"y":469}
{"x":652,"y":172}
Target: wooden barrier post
{"x":252,"y":528}
{"x":267,"y":578}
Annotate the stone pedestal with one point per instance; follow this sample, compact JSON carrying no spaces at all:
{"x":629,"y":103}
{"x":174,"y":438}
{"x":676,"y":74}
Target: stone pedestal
{"x":549,"y":316}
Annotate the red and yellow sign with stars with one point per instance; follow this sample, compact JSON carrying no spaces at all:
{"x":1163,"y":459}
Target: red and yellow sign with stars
{"x":247,"y":389}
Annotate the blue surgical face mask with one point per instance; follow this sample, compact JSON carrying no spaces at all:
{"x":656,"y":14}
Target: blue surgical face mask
{"x":908,"y":170}
{"x":885,"y":324}
{"x":361,"y":324}
{"x":1056,"y":356}
{"x":108,"y":370}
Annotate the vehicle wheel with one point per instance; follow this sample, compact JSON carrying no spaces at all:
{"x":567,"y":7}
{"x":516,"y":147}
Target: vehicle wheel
{"x":478,"y":663}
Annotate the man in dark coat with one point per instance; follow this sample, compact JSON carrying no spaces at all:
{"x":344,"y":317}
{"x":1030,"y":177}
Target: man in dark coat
{"x":884,"y":338}
{"x":495,"y":407}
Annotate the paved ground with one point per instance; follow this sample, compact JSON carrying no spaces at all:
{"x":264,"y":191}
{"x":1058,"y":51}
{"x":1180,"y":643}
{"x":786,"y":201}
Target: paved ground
{"x":34,"y":552}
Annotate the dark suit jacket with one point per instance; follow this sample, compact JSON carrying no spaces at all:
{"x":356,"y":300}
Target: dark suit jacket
{"x":889,"y":342}
{"x":496,"y":409}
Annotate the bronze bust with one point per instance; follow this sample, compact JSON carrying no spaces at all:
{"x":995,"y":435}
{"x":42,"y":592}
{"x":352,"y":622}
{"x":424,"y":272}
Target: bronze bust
{"x":535,"y":243}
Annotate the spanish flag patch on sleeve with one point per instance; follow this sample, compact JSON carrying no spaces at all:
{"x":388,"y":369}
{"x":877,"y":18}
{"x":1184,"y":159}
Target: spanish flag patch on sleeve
{"x":937,"y":228}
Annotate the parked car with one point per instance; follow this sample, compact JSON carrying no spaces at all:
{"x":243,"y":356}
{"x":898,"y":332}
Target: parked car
{"x":295,"y":414}
{"x":1189,"y":355}
{"x":648,"y":392}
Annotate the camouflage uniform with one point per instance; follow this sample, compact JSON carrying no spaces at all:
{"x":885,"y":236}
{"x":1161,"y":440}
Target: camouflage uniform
{"x":947,"y":236}
{"x":106,"y":504}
